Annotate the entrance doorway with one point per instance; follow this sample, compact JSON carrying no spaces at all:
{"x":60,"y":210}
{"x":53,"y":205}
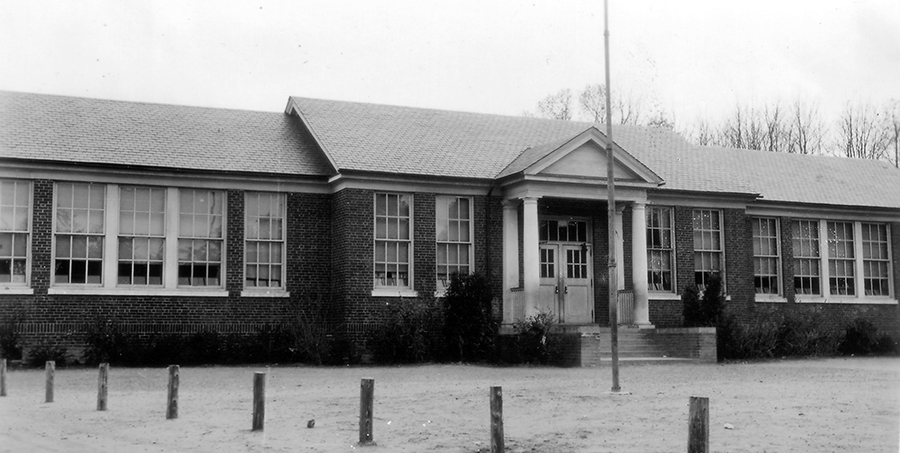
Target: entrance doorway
{"x":566,"y":271}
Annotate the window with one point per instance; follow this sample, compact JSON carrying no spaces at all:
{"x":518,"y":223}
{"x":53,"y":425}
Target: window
{"x":200,"y":238}
{"x":454,"y":238}
{"x":393,"y":244}
{"x":708,"y":252}
{"x":15,"y":198}
{"x":766,"y":258}
{"x":854,"y":259}
{"x":264,"y":234}
{"x":142,"y":235}
{"x":80,"y":230}
{"x":876,"y":260}
{"x":805,"y":240}
{"x":562,"y":231}
{"x":841,"y":255}
{"x":660,"y":254}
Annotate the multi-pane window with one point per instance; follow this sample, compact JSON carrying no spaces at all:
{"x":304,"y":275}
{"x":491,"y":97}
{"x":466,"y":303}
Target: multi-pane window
{"x":264,"y":234}
{"x":876,"y":260}
{"x":393,"y":243}
{"x":708,"y":252}
{"x":576,"y":263}
{"x":766,"y":259}
{"x":454,"y":238}
{"x":200,"y":237}
{"x":805,"y":242}
{"x":562,"y":230}
{"x":841,"y":258}
{"x":15,"y":198}
{"x":548,"y":263}
{"x":80,"y":229}
{"x":142,"y":235}
{"x":660,"y":253}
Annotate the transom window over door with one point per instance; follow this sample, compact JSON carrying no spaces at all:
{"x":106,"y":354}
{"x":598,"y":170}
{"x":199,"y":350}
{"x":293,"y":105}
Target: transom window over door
{"x":454,"y":238}
{"x":708,"y":252}
{"x":142,"y":235}
{"x":264,"y":234}
{"x":15,"y":198}
{"x":562,"y":231}
{"x":80,"y":229}
{"x":200,"y":237}
{"x":393,"y":244}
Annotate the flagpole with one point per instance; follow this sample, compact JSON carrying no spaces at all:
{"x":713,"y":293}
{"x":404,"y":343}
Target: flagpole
{"x":611,"y":215}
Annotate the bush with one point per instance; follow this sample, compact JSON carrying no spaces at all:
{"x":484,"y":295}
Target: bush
{"x":469,"y":328}
{"x":309,"y":329}
{"x":862,"y":337}
{"x":46,"y":350}
{"x":705,"y":311}
{"x":534,"y":340}
{"x":408,"y":333}
{"x":10,"y":339}
{"x":764,"y":332}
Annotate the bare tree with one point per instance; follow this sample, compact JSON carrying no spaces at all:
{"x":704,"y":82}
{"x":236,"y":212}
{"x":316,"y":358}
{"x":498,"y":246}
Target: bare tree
{"x":859,"y":133}
{"x":808,"y":131}
{"x":556,"y":106}
{"x":892,"y":128}
{"x":625,"y":109}
{"x":659,"y":119}
{"x":702,"y":133}
{"x":744,"y":129}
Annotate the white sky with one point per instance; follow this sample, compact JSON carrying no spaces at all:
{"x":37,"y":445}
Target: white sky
{"x":691,"y":57}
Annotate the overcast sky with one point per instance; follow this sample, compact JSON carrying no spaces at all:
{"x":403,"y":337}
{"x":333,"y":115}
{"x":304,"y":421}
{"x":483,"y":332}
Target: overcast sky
{"x":691,"y":58}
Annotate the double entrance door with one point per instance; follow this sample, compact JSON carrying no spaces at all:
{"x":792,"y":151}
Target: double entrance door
{"x":566,"y":273}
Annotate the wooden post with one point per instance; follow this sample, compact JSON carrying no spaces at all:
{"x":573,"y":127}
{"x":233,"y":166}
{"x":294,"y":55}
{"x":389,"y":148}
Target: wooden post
{"x":2,"y":377}
{"x":49,"y":369}
{"x":366,"y":406}
{"x":102,"y":386}
{"x":172,"y":402}
{"x":497,"y":420}
{"x":698,"y":429}
{"x":259,"y":401}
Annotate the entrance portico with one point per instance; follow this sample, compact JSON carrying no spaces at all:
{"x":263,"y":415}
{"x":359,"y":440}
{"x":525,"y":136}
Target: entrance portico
{"x":559,"y":270}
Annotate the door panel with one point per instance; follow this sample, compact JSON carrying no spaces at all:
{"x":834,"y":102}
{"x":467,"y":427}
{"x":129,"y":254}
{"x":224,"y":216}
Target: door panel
{"x":577,"y":291}
{"x":547,"y":293}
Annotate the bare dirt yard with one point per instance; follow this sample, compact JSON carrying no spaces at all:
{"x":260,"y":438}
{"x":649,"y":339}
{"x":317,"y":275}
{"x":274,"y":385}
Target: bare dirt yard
{"x":813,"y":405}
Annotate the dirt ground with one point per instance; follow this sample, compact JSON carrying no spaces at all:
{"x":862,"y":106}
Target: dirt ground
{"x":815,"y":405}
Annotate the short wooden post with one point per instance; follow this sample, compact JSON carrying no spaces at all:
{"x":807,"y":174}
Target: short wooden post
{"x":102,"y":386}
{"x":366,"y":406}
{"x":49,"y":370}
{"x":497,"y":445}
{"x":698,"y":429}
{"x":172,"y":402}
{"x":2,"y":377}
{"x":259,"y":401}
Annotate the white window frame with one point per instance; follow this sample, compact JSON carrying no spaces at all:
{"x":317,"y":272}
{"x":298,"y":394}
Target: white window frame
{"x":886,"y":260}
{"x":109,"y":281}
{"x":670,"y":213}
{"x":266,"y":291}
{"x":444,"y":201}
{"x":23,"y":286}
{"x":208,"y":238}
{"x":71,"y":235}
{"x":779,"y":290}
{"x":859,"y":296}
{"x":720,"y":251}
{"x":379,"y":289}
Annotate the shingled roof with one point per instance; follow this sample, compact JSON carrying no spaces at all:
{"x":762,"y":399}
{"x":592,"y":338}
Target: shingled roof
{"x":94,"y":131}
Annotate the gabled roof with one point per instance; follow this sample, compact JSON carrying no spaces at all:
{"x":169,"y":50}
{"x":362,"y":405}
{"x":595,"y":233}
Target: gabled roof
{"x":94,"y":131}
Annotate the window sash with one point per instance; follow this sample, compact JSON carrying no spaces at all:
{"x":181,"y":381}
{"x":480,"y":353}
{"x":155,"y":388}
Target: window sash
{"x":200,"y":237}
{"x":264,"y":240}
{"x":766,"y":255}
{"x":876,"y":260}
{"x":708,"y":251}
{"x":454,"y":233}
{"x":660,"y":249}
{"x":142,"y":236}
{"x":807,"y":264}
{"x":15,"y":231}
{"x":393,"y":241}
{"x":80,"y":229}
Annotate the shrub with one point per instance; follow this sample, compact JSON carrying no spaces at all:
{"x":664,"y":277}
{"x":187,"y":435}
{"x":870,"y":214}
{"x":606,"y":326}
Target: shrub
{"x":534,"y":340}
{"x":10,"y":338}
{"x":862,"y":337}
{"x":309,"y":330}
{"x":690,"y":301}
{"x":705,"y":310}
{"x":408,"y":333}
{"x":45,"y":350}
{"x":765,"y":331}
{"x":469,"y":328}
{"x":105,"y":342}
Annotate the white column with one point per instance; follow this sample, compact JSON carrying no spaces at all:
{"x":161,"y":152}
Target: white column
{"x":639,"y":263}
{"x":530,"y":255}
{"x":620,"y":248}
{"x":510,"y":258}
